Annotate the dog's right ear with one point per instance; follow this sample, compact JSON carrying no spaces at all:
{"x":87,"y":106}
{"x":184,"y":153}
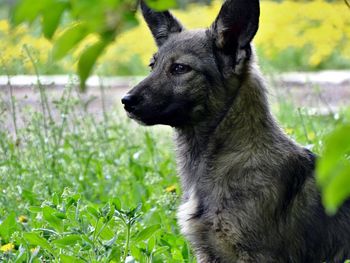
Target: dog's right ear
{"x":161,"y":24}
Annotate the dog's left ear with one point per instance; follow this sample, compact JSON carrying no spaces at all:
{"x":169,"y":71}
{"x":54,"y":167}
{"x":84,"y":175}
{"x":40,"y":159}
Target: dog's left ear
{"x":236,"y":25}
{"x":162,"y":24}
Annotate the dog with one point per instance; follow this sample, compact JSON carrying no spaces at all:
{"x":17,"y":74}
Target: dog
{"x":249,"y":192}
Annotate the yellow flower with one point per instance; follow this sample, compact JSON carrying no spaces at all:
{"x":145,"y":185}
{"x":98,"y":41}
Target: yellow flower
{"x":171,"y":189}
{"x":289,"y":131}
{"x":22,"y":219}
{"x":4,"y":25}
{"x":34,"y":250}
{"x":311,"y":136}
{"x":7,"y":248}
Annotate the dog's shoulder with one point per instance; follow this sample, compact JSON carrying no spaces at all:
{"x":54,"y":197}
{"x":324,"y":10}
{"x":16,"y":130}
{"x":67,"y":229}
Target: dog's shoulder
{"x":296,"y":174}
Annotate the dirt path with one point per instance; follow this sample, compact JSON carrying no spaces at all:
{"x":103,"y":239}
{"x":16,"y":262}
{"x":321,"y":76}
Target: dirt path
{"x":323,"y":97}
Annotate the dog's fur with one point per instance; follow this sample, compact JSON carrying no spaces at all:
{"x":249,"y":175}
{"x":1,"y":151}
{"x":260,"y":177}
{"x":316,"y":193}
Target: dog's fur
{"x":249,"y":190}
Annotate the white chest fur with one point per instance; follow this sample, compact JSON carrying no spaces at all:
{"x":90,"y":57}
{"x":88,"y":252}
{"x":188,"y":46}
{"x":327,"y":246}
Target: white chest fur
{"x":189,"y":226}
{"x":211,"y":230}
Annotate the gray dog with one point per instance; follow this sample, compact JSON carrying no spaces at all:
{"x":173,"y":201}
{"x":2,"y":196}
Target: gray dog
{"x":249,"y":190}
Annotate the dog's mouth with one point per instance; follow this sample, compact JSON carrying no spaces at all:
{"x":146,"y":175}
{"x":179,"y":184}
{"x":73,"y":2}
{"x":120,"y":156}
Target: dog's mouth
{"x":173,"y":114}
{"x":131,"y":114}
{"x":129,"y":109}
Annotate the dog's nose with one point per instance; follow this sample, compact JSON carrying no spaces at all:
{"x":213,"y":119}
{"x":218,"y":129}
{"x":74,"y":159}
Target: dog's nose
{"x":130,"y":101}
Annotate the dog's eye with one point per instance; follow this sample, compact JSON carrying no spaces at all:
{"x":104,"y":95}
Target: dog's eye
{"x":177,"y":69}
{"x":151,"y":65}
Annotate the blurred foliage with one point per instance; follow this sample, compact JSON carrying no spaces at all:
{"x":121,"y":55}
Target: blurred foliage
{"x":296,"y":32}
{"x":103,"y":18}
{"x":316,"y":34}
{"x":106,"y":19}
{"x":293,"y":31}
{"x":333,"y":169}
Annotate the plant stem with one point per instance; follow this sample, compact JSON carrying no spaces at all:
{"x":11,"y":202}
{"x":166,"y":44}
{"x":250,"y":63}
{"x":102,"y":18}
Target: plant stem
{"x":12,"y":98}
{"x":126,"y":250}
{"x":94,"y":236}
{"x":303,"y":125}
{"x":101,"y":229}
{"x":44,"y":101}
{"x":103,"y":101}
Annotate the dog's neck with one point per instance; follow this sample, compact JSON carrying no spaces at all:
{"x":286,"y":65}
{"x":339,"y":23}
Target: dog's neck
{"x":248,"y":117}
{"x":244,"y":123}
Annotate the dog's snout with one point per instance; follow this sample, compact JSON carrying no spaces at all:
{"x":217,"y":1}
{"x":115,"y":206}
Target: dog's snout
{"x":130,"y":101}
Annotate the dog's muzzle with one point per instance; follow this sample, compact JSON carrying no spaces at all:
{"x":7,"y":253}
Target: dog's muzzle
{"x":130,"y":102}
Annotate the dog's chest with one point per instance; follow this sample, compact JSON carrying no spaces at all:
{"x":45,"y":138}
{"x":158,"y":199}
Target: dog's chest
{"x":211,"y":228}
{"x":212,"y":215}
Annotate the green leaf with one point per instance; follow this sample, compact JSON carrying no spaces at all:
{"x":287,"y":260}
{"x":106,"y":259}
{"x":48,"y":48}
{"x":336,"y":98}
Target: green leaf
{"x":147,"y":233}
{"x":129,"y":21}
{"x":36,"y":240}
{"x":111,"y":242}
{"x":176,"y":254}
{"x":117,"y":204}
{"x":107,"y":211}
{"x":87,"y":240}
{"x":69,"y":39}
{"x":87,"y":61}
{"x":337,"y":190}
{"x":28,"y":10}
{"x":69,"y":240}
{"x":21,"y":256}
{"x":337,"y":144}
{"x":136,"y":252}
{"x":72,"y":200}
{"x":60,"y":215}
{"x":69,"y":259}
{"x":114,"y":254}
{"x":49,"y":215}
{"x":8,"y":226}
{"x":161,"y":5}
{"x":30,"y":196}
{"x":151,"y":243}
{"x":35,"y":209}
{"x":137,"y":209}
{"x":160,"y":250}
{"x":106,"y":233}
{"x":93,"y":211}
{"x":52,"y":17}
{"x":56,"y":199}
{"x":333,"y":169}
{"x":92,"y":12}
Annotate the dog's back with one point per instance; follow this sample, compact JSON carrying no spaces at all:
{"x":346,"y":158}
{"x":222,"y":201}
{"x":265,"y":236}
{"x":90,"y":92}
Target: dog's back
{"x":249,"y":191}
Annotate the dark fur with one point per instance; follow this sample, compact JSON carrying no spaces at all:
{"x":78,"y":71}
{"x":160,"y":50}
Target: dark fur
{"x":249,"y":191}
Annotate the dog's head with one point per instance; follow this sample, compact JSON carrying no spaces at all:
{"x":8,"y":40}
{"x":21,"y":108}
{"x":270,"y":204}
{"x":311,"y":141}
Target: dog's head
{"x":194,"y":72}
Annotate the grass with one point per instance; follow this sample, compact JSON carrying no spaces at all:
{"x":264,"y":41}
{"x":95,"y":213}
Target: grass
{"x":77,"y":187}
{"x":80,"y":176}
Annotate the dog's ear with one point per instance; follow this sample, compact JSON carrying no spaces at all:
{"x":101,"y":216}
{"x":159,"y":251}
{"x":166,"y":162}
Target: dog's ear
{"x":162,"y":24}
{"x":236,"y":25}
